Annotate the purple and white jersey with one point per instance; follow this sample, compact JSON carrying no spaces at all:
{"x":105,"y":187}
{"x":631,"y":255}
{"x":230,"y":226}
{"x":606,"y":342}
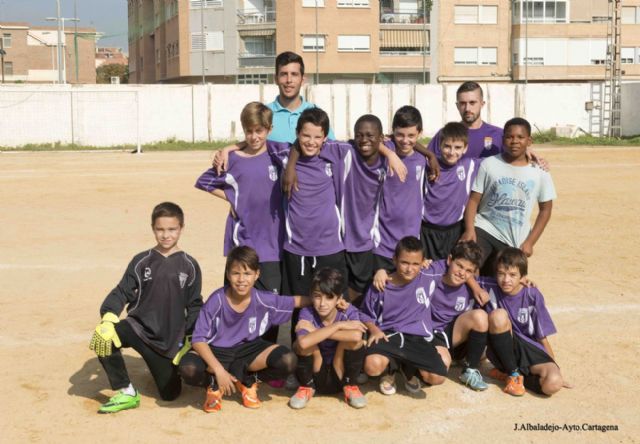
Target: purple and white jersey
{"x":221,"y":326}
{"x":328,"y":346}
{"x":446,"y":198}
{"x":448,"y":302}
{"x":312,"y":216}
{"x":359,"y":204}
{"x":401,"y":204}
{"x":530,"y":319}
{"x":483,"y":142}
{"x":252,"y":188}
{"x":404,"y":309}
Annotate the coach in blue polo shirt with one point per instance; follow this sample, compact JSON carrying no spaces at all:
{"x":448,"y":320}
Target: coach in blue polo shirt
{"x":289,"y":104}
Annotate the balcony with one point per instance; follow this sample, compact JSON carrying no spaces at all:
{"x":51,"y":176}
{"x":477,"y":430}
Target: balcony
{"x":251,"y":60}
{"x":256,"y":17}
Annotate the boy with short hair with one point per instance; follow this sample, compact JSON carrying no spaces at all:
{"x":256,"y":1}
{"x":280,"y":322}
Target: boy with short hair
{"x":250,"y":184}
{"x":446,"y":198}
{"x":460,"y":327}
{"x":329,"y":344}
{"x":161,"y":289}
{"x":503,"y":195}
{"x":231,"y":354}
{"x":519,"y":324}
{"x":400,"y":323}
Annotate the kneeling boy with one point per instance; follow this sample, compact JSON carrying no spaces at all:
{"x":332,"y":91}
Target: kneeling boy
{"x":161,"y":289}
{"x":227,"y":338}
{"x":329,"y":345}
{"x":400,"y":325}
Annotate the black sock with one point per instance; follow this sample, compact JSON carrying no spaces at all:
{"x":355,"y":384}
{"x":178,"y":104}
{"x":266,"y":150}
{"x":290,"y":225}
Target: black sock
{"x":409,"y":370}
{"x":353,"y":361}
{"x":281,"y":362}
{"x":213,"y":383}
{"x":532,"y":382}
{"x":304,"y":371}
{"x":249,"y":379}
{"x":392,"y":368}
{"x":502,"y":344}
{"x":476,"y":343}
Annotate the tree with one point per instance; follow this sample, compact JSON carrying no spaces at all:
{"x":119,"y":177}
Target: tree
{"x":106,"y":71}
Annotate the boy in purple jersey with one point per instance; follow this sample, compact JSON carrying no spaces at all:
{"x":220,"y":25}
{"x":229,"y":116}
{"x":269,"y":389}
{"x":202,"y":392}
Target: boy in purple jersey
{"x":329,"y":344}
{"x":519,"y":324}
{"x":250,"y":184}
{"x":460,"y":329}
{"x":446,"y":198}
{"x":161,"y":290}
{"x":503,"y":196}
{"x":362,"y":174}
{"x":400,"y":324}
{"x":401,"y":202}
{"x":227,"y":337}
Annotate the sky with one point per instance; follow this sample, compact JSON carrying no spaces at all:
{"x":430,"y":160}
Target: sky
{"x":107,"y":16}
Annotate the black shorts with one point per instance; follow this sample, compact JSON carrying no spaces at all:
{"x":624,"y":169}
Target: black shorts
{"x":437,"y":241}
{"x":270,"y":277}
{"x":444,"y":338}
{"x":526,"y":355}
{"x":384,"y":263}
{"x":360,"y":269}
{"x":238,"y":358}
{"x":490,"y":248}
{"x":326,"y":380}
{"x":297,"y":270}
{"x":410,"y":349}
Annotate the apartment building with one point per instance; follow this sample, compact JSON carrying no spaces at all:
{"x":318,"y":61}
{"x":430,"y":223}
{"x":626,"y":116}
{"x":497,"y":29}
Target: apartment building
{"x":31,"y":53}
{"x":110,"y":56}
{"x":378,"y":41}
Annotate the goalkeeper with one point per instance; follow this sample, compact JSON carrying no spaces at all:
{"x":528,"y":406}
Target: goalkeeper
{"x":161,"y":290}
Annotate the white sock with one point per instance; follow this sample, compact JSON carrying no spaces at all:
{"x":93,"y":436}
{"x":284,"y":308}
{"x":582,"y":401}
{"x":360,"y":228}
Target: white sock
{"x":129,"y":390}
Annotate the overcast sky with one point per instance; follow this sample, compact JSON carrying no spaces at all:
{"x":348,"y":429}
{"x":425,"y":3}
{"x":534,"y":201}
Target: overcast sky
{"x":107,"y":16}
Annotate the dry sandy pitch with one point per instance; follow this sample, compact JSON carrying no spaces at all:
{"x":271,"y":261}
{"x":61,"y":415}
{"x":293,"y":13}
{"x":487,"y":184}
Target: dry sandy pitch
{"x":71,"y":222}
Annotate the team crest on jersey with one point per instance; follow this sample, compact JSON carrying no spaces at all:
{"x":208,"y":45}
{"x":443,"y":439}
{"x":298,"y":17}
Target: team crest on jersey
{"x":273,"y":173}
{"x":328,"y":170}
{"x":147,"y":274}
{"x":523,"y":315}
{"x":421,"y":297}
{"x":460,"y":303}
{"x":252,"y":324}
{"x":488,"y":141}
{"x":263,"y":324}
{"x":418,"y":172}
{"x":182,"y":277}
{"x":460,"y":172}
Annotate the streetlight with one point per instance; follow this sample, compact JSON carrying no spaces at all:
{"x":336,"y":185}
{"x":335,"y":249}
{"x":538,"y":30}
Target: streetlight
{"x":62,"y":74}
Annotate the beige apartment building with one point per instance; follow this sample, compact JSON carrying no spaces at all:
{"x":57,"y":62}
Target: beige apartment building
{"x":387,"y":41}
{"x":31,"y":54}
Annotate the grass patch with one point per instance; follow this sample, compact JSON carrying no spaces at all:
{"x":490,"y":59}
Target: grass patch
{"x":546,"y":137}
{"x":166,"y":145}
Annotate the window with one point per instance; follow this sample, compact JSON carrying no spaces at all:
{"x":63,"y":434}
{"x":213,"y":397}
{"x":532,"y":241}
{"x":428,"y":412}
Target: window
{"x":206,"y":4}
{"x":257,"y":46}
{"x":475,"y":56}
{"x":475,"y":14}
{"x":313,"y":43}
{"x":354,"y":43}
{"x":210,"y":41}
{"x":353,"y":3}
{"x":550,"y":11}
{"x":253,"y":79}
{"x":8,"y":68}
{"x":312,"y":3}
{"x":627,"y":55}
{"x":629,"y":15}
{"x":6,"y":40}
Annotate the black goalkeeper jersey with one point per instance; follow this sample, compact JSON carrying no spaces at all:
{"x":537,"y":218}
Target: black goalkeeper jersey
{"x":163,"y":298}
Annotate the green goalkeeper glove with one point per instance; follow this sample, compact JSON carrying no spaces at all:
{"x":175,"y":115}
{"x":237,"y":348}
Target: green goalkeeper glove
{"x":183,"y":350}
{"x":105,"y":336}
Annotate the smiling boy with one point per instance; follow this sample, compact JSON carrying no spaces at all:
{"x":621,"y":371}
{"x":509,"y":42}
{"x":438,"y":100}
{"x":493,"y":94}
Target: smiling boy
{"x":503,"y":195}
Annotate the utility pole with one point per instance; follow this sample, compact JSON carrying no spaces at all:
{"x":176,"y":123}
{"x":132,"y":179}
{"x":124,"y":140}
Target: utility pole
{"x":2,"y":53}
{"x":204,"y":39}
{"x":75,"y":37}
{"x":317,"y":53}
{"x":62,"y":75}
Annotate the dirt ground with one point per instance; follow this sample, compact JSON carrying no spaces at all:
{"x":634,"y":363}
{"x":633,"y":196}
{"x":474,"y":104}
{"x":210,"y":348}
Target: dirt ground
{"x":71,"y":222}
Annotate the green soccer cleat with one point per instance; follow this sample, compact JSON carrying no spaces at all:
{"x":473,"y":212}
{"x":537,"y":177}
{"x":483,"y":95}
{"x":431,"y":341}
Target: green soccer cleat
{"x":121,"y":401}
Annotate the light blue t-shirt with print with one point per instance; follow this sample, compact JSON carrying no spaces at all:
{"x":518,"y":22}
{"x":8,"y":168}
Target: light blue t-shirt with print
{"x":509,"y":194}
{"x":285,"y":121}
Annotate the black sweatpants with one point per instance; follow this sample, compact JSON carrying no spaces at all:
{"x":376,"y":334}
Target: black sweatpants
{"x":164,"y":373}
